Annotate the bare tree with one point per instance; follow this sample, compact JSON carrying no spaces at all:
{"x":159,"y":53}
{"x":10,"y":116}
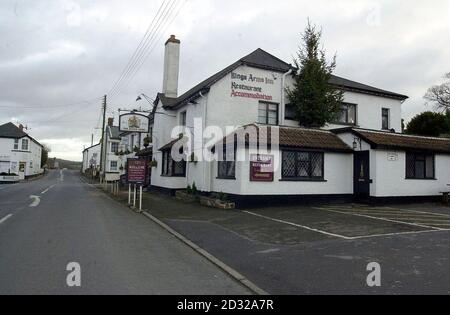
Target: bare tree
{"x":440,"y":95}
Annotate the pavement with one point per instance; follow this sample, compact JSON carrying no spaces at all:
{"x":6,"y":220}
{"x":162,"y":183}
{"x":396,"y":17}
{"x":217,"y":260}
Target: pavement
{"x":321,"y":249}
{"x":48,"y":223}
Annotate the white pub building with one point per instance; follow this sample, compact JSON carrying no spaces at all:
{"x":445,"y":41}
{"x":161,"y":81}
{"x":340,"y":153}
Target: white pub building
{"x":362,"y":154}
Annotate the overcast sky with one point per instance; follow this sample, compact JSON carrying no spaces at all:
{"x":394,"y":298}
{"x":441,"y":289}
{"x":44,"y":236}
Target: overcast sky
{"x":56,"y":52}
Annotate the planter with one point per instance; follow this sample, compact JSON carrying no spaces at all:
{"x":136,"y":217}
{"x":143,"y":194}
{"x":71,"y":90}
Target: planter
{"x":217,"y":203}
{"x":9,"y":178}
{"x":184,"y":196}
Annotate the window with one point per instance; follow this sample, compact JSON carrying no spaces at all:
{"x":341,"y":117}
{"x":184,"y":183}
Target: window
{"x":268,"y":113}
{"x":385,"y":113}
{"x":227,"y":167}
{"x":113,"y":166}
{"x":302,"y":165}
{"x":31,"y":164}
{"x":25,"y":144}
{"x":289,"y":112}
{"x":183,"y":119}
{"x":347,"y":114}
{"x":171,"y":167}
{"x":114,"y":147}
{"x":16,"y":144}
{"x":420,"y":166}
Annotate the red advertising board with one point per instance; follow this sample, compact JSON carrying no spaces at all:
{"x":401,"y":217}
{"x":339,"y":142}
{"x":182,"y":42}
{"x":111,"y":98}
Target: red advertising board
{"x":261,"y":168}
{"x":137,"y":171}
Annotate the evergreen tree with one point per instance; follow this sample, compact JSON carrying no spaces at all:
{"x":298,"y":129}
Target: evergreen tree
{"x":429,"y":124}
{"x":315,"y":101}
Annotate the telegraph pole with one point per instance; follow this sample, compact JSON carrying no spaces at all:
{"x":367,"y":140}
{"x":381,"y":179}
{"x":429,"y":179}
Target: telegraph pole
{"x":103,"y":135}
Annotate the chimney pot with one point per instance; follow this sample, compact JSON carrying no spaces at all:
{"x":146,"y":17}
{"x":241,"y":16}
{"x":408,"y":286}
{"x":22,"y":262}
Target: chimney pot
{"x":110,"y":122}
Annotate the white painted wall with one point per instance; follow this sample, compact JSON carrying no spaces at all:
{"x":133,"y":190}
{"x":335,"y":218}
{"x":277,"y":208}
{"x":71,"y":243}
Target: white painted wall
{"x":32,"y":157}
{"x":91,"y":154}
{"x":390,"y":177}
{"x":338,"y":168}
{"x":368,"y":112}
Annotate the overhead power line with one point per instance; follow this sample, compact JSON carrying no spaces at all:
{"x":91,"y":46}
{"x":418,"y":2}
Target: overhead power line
{"x":167,"y":14}
{"x":137,"y":50}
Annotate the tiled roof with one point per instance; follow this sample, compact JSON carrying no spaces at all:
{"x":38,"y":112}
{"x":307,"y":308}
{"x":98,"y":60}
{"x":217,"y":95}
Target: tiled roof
{"x":263,"y":60}
{"x":388,"y":140}
{"x":291,"y":137}
{"x":115,"y":132}
{"x":9,"y":130}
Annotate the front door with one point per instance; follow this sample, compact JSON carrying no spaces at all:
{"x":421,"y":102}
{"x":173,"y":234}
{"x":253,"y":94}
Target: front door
{"x":22,"y":169}
{"x":361,"y":174}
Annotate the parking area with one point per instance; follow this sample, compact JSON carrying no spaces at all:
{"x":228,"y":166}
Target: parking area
{"x":322,"y":249}
{"x":355,"y":221}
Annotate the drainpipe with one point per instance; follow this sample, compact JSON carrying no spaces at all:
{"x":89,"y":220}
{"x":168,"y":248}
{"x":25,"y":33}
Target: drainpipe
{"x":283,"y":89}
{"x":206,"y":182}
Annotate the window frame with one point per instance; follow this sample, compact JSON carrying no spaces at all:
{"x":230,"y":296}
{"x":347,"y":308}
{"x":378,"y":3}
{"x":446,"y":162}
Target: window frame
{"x":228,"y":165}
{"x":113,"y":169}
{"x":347,"y":123}
{"x":115,"y":144}
{"x":388,"y":117}
{"x":16,"y":144}
{"x":415,"y":156}
{"x":183,"y":118}
{"x":168,"y":165}
{"x":27,"y":142}
{"x":267,"y":111}
{"x":309,"y":178}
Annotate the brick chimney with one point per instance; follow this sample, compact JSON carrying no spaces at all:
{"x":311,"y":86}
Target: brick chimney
{"x":171,"y":67}
{"x":110,"y":122}
{"x":20,"y":127}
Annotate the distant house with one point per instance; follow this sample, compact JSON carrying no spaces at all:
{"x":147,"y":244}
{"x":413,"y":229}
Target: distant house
{"x":91,"y":158}
{"x":19,"y":153}
{"x":110,"y":159}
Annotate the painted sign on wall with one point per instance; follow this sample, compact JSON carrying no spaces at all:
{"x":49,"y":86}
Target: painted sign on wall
{"x":261,"y":168}
{"x":137,"y":171}
{"x":134,"y":123}
{"x":250,"y":86}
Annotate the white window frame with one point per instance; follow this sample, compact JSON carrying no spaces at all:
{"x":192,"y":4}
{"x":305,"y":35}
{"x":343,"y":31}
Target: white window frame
{"x":113,"y":169}
{"x":16,"y":144}
{"x":27,"y":142}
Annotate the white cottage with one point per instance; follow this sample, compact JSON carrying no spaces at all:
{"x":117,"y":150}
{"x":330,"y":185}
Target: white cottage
{"x":19,"y":153}
{"x":91,"y":158}
{"x":363,"y":154}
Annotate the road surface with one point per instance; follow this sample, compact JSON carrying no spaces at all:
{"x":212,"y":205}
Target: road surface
{"x":48,"y":223}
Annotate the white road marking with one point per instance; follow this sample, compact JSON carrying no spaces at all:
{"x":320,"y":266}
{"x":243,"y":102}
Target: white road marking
{"x":5,"y":218}
{"x":380,"y":219}
{"x":298,"y":225}
{"x":425,"y":212}
{"x":399,"y":234}
{"x":36,"y":201}
{"x":45,"y":191}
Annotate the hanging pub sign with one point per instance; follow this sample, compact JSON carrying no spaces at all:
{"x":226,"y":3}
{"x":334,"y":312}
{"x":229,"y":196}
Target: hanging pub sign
{"x":133,"y":122}
{"x":261,"y":168}
{"x":137,"y":171}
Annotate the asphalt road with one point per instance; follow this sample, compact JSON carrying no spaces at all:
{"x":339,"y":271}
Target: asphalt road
{"x":119,"y":252}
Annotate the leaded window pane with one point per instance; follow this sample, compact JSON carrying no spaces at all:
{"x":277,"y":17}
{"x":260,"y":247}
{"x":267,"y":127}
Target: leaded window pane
{"x":289,"y":164}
